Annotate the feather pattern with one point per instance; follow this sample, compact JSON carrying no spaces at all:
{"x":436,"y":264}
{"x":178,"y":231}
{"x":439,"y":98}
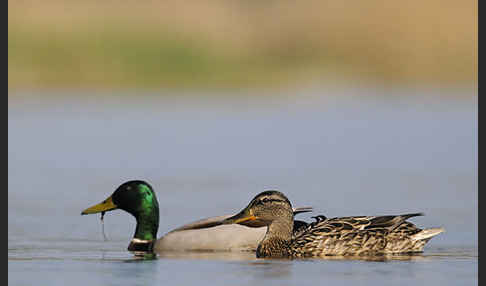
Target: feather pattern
{"x":339,"y":236}
{"x":358,"y":235}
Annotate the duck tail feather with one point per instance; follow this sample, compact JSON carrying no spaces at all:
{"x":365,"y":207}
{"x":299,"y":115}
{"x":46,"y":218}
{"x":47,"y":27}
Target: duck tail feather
{"x":427,"y":233}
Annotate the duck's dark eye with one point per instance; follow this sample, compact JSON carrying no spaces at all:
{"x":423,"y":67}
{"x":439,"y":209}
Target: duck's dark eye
{"x":266,"y":200}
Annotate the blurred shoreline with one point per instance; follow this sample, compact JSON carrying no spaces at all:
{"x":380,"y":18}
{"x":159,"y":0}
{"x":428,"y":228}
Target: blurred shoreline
{"x":315,"y":94}
{"x":232,"y":44}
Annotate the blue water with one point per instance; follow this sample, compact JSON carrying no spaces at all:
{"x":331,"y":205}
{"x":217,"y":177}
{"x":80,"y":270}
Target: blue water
{"x":364,"y":152}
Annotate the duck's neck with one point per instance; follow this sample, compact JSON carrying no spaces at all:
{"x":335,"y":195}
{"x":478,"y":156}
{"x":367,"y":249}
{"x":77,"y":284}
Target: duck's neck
{"x":147,"y":225}
{"x":147,"y":215}
{"x":277,"y":240}
{"x":145,"y":232}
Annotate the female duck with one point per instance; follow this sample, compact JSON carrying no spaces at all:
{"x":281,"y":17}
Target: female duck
{"x":358,"y":235}
{"x":138,"y":198}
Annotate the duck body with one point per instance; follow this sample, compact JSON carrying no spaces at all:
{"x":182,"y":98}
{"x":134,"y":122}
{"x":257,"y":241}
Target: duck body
{"x":211,"y":238}
{"x":362,"y":235}
{"x":340,"y":236}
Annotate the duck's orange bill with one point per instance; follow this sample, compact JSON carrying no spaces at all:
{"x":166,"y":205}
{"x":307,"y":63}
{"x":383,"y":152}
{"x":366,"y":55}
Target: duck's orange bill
{"x":243,"y":216}
{"x":243,"y":219}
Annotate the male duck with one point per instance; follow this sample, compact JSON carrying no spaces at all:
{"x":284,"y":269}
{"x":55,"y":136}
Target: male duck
{"x":138,"y":198}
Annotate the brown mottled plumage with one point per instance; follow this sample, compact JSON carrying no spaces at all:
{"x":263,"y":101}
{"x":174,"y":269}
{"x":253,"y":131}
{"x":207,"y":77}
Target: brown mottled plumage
{"x":343,"y":236}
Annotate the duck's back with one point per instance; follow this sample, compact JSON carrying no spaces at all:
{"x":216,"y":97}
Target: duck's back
{"x":362,"y":235}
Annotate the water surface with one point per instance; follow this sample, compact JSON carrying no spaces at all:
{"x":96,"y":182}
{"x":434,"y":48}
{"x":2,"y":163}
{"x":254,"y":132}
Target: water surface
{"x":358,"y":155}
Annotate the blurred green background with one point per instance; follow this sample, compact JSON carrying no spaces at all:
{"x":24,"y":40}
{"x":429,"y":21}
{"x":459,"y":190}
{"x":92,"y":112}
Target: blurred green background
{"x":232,"y":44}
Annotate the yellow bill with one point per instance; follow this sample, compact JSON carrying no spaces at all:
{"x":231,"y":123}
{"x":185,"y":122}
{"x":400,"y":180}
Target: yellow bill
{"x":106,"y":205}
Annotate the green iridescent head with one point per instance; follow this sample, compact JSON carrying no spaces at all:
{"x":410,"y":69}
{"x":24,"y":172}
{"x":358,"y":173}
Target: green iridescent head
{"x":137,"y":198}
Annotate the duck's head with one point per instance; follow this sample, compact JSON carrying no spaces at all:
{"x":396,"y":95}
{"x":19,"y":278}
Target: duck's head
{"x":133,"y":197}
{"x":137,"y":198}
{"x":265,"y":208}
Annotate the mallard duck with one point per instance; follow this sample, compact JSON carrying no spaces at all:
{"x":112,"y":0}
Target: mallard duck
{"x":138,"y":198}
{"x":343,"y":236}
